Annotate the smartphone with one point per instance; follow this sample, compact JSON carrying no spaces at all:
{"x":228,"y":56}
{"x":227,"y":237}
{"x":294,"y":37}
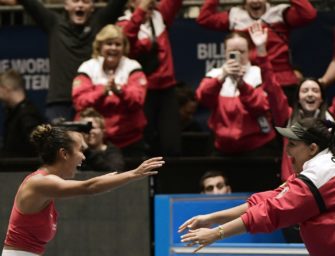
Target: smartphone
{"x":234,"y":55}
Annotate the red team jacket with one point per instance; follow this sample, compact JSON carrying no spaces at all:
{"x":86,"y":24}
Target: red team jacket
{"x":295,"y":202}
{"x":124,"y":116}
{"x":279,"y":19}
{"x":240,"y":118}
{"x":139,"y":36}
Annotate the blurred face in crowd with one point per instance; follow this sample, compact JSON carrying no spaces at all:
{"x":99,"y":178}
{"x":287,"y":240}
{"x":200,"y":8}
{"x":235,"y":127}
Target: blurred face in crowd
{"x":187,"y":110}
{"x":310,"y":96}
{"x":216,"y":186}
{"x":94,"y":138}
{"x":112,"y":50}
{"x":79,"y":11}
{"x":255,"y":8}
{"x":239,"y":44}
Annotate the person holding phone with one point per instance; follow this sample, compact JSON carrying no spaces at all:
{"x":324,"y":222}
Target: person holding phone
{"x":240,"y":112}
{"x":280,"y":19}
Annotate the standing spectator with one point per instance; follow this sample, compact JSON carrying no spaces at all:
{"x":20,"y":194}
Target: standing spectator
{"x":100,"y":156}
{"x":70,"y":38}
{"x":279,"y":19}
{"x":21,"y":116}
{"x":240,"y":112}
{"x":214,"y":183}
{"x":115,"y":86}
{"x":145,"y":23}
{"x":33,"y":220}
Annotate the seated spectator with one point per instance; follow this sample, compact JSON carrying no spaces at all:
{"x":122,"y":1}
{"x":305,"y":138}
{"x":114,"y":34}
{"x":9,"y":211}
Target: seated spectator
{"x":21,"y":116}
{"x":214,"y":183}
{"x":187,"y":107}
{"x":280,"y":19}
{"x":240,"y":112}
{"x":114,"y":86}
{"x":100,"y":156}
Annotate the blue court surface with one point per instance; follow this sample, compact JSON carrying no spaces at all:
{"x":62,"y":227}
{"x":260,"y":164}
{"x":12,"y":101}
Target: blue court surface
{"x":173,"y":210}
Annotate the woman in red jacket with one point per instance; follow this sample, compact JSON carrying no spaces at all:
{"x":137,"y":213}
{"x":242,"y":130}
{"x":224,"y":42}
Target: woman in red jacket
{"x":240,"y":111}
{"x":307,"y":198}
{"x":115,"y":86}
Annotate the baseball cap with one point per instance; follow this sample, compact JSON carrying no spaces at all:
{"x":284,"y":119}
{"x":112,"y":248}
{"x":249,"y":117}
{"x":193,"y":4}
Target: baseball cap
{"x":295,"y":132}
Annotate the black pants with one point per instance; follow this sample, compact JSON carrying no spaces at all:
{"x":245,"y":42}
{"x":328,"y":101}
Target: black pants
{"x":163,"y":132}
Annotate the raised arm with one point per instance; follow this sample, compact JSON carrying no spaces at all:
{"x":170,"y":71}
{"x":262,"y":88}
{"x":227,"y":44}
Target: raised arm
{"x":277,"y":99}
{"x":169,"y":10}
{"x":52,"y":186}
{"x":301,"y":12}
{"x":210,"y":17}
{"x":41,"y":15}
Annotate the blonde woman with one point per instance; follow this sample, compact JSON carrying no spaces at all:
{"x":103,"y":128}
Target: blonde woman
{"x":115,"y":86}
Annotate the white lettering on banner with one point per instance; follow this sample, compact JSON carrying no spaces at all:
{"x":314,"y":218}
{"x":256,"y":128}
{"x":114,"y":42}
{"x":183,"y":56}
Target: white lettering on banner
{"x":35,"y":71}
{"x":212,"y":53}
{"x":36,"y":82}
{"x":30,"y":66}
{"x":4,"y":65}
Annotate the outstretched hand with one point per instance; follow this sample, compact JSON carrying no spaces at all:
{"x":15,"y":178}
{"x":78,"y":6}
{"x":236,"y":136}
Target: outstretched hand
{"x":201,"y":237}
{"x":148,"y":167}
{"x":200,"y":221}
{"x":258,"y":34}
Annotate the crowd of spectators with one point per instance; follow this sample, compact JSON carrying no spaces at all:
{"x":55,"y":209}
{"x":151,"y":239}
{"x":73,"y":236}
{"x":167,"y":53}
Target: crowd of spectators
{"x":119,"y":65}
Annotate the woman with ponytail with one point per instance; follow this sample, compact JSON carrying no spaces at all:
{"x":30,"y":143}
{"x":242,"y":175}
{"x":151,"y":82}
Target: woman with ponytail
{"x":307,"y":198}
{"x":33,"y":220}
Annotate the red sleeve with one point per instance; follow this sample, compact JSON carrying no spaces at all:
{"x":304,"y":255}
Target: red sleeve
{"x":133,"y":93}
{"x":208,"y":92}
{"x":131,"y":29}
{"x":295,"y":204}
{"x":300,"y":13}
{"x":331,"y":109}
{"x":262,"y":196}
{"x":279,"y":106}
{"x":254,"y":100}
{"x":209,"y":17}
{"x":85,"y":94}
{"x":169,"y":10}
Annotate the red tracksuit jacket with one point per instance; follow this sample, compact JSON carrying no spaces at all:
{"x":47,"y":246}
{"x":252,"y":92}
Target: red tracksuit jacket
{"x":279,"y":19}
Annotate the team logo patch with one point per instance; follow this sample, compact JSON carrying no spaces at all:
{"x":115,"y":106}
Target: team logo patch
{"x":283,"y":192}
